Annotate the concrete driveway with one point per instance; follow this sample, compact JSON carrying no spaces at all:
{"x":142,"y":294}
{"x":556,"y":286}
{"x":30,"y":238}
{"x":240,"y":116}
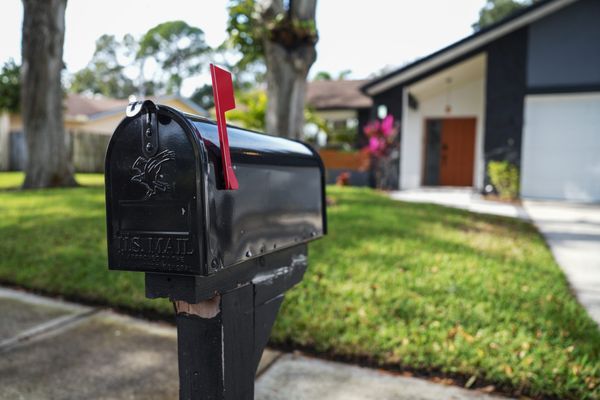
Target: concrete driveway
{"x":573,"y":233}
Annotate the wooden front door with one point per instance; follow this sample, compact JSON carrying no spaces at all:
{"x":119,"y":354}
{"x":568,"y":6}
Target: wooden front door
{"x":450,"y":152}
{"x":457,"y":152}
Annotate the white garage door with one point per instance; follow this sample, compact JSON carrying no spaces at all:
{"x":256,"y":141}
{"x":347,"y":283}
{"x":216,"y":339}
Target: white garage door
{"x":561,"y":147}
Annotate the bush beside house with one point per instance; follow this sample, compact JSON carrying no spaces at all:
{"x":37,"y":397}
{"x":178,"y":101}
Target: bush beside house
{"x":505,"y":179}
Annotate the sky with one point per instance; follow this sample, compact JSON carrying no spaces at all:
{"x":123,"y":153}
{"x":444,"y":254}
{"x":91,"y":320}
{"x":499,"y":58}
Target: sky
{"x":357,"y":35}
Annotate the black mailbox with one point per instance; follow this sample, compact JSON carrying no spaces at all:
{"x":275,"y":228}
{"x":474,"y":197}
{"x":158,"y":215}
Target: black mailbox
{"x":167,"y":214}
{"x":171,"y":216}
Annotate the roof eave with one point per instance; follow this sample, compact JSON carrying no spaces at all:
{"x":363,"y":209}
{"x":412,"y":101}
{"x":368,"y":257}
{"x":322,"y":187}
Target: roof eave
{"x":463,"y":46}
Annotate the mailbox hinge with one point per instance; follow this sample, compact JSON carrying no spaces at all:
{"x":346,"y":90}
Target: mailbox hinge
{"x":149,"y":133}
{"x":149,"y":112}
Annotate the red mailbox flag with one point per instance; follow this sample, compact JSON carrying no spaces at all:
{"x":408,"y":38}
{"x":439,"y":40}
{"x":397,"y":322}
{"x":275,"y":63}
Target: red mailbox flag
{"x":224,"y":101}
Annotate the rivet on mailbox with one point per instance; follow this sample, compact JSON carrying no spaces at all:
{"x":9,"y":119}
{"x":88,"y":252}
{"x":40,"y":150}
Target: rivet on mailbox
{"x":224,"y":245}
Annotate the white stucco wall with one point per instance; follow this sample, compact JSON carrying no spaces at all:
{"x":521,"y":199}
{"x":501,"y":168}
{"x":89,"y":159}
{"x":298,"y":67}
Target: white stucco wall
{"x":467,"y":99}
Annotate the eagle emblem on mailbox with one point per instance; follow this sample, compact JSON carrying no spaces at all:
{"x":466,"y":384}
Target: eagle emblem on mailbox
{"x":148,"y":172}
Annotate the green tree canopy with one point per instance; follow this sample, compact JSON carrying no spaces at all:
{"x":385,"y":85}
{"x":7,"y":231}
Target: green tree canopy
{"x":245,"y":31}
{"x":104,"y":74}
{"x":203,"y":96}
{"x":10,"y":86}
{"x":120,"y":68}
{"x":342,"y":75}
{"x":251,"y":110}
{"x":328,"y":76}
{"x":178,"y":49}
{"x":323,"y":76}
{"x":495,"y":10}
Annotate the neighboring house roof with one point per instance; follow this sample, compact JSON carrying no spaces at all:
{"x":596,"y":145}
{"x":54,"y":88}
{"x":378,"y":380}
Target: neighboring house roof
{"x":464,"y":46}
{"x":85,"y":108}
{"x":191,"y":104}
{"x":336,"y":95}
{"x":78,"y":106}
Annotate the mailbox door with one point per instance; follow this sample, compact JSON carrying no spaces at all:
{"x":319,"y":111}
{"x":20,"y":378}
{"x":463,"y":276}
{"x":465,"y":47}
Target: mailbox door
{"x":154,"y":199}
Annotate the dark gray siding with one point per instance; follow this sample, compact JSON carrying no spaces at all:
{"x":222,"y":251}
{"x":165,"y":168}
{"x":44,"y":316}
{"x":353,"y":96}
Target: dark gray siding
{"x":392,"y":99}
{"x":504,"y":94}
{"x":364,"y":115}
{"x":564,"y":48}
{"x":433,"y":144}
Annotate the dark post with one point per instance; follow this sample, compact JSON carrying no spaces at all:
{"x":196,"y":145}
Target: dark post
{"x":221,"y":340}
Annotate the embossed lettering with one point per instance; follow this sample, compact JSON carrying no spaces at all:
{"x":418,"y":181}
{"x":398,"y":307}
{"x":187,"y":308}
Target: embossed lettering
{"x":156,"y":248}
{"x":136,"y":246}
{"x":155,"y":245}
{"x":180,"y":245}
{"x":190,"y":250}
{"x":168,"y":247}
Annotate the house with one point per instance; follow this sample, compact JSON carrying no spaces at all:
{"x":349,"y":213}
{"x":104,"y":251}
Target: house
{"x":345,"y":110}
{"x":526,"y":90}
{"x":343,"y":107}
{"x":90,"y":120}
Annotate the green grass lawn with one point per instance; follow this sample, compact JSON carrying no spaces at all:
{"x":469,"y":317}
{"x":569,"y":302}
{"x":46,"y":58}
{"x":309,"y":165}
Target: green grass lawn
{"x":13,"y":180}
{"x":406,"y":286}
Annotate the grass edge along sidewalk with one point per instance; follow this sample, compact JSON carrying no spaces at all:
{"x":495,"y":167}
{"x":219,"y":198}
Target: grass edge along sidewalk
{"x":405,"y":286}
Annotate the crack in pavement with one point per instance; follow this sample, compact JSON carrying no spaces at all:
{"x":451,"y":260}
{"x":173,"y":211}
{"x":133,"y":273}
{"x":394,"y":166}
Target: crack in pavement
{"x":57,"y":324}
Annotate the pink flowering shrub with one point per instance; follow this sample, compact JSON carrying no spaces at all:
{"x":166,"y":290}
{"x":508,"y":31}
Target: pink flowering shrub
{"x":383,"y":148}
{"x":382,"y":136}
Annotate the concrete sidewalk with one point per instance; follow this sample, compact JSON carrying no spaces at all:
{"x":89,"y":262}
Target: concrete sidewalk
{"x":55,"y":350}
{"x":464,"y":198}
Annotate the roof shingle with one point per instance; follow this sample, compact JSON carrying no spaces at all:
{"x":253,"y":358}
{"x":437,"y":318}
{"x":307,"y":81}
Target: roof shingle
{"x":77,"y":105}
{"x":331,"y":95}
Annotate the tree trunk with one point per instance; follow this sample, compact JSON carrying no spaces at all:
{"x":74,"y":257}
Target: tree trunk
{"x":49,"y":163}
{"x":288,"y":57}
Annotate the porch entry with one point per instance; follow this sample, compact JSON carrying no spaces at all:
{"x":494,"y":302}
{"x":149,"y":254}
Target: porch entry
{"x":449,"y":152}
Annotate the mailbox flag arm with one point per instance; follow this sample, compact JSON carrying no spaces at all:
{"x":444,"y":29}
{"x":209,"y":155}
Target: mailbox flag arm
{"x":224,"y":101}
